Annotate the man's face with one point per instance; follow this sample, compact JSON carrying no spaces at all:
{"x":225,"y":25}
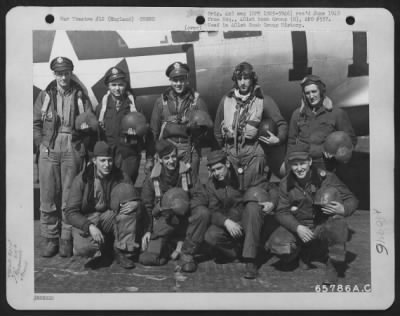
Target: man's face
{"x":103,"y":165}
{"x":301,"y":168}
{"x":179,"y":84}
{"x":244,"y":83}
{"x":117,"y":88}
{"x":63,"y":78}
{"x":313,"y":95}
{"x":219,"y":170}
{"x":170,"y":161}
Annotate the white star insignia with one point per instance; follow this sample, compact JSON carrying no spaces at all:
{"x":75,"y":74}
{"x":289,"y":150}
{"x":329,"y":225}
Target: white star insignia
{"x":86,"y":72}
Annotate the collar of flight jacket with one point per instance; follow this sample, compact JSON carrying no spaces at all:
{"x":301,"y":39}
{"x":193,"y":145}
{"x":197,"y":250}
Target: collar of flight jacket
{"x":305,"y":109}
{"x":255,"y":92}
{"x":52,"y":87}
{"x":317,"y":176}
{"x":170,"y":94}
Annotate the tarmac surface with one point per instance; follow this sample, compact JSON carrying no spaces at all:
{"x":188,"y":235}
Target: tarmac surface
{"x":68,"y":275}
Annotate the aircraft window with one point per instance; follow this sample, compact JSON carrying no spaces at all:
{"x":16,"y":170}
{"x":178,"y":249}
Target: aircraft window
{"x":241,"y":34}
{"x":184,"y":36}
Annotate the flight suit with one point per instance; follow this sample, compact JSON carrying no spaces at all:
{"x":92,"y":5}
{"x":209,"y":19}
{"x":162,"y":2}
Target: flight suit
{"x":296,"y":207}
{"x":169,"y":120}
{"x":225,"y":201}
{"x":126,"y":156}
{"x":236,"y":130}
{"x":61,"y":150}
{"x":313,"y":128}
{"x":166,"y":226}
{"x":89,"y":203}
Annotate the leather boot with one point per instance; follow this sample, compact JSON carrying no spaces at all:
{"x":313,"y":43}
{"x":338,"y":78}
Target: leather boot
{"x":331,"y":276}
{"x":151,"y":259}
{"x":338,"y":252}
{"x":250,"y":270}
{"x":123,"y":259}
{"x":65,"y":248}
{"x":49,"y":247}
{"x":187,"y":263}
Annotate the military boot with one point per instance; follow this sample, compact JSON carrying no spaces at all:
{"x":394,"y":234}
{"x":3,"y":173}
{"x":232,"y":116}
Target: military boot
{"x":123,"y":259}
{"x":250,"y":270}
{"x":49,"y":247}
{"x":65,"y":248}
{"x":151,"y":259}
{"x":331,"y":275}
{"x":338,"y":252}
{"x":187,"y":263}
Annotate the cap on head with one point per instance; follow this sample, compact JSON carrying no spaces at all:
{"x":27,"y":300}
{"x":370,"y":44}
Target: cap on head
{"x":113,"y":74}
{"x":312,"y":79}
{"x":164,"y":147}
{"x":298,"y":151}
{"x":102,"y":149}
{"x":244,"y":69}
{"x":216,"y":156}
{"x":177,"y":69}
{"x":61,"y":64}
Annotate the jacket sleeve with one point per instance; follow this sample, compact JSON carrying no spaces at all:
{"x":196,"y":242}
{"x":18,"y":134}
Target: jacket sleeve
{"x":215,"y":207}
{"x":148,"y":199}
{"x":219,"y":117}
{"x":350,"y":202}
{"x":37,"y":121}
{"x":156,"y":116}
{"x":343,"y":123}
{"x":293,"y":129}
{"x":74,"y":203}
{"x":271,"y":109}
{"x":283,"y":214}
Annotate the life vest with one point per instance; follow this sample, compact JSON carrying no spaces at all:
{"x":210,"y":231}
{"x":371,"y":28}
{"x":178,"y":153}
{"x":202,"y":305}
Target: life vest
{"x":132,"y":105}
{"x":174,"y":125}
{"x":155,"y":177}
{"x":243,"y":120}
{"x":46,"y":101}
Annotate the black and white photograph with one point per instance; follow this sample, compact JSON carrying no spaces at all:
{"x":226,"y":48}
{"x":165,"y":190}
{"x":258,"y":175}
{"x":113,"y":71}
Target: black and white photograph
{"x":234,"y":155}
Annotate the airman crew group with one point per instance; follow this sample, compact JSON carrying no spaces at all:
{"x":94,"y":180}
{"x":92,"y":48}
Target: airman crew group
{"x":89,"y":162}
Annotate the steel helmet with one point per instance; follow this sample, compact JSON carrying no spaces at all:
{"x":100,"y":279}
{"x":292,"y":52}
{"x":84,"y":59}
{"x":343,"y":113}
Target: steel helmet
{"x":134,"y":123}
{"x":89,"y":118}
{"x":325,"y":195}
{"x":199,"y":118}
{"x":122,"y":193}
{"x":267,"y":125}
{"x":177,"y":200}
{"x":339,"y":144}
{"x":256,"y":194}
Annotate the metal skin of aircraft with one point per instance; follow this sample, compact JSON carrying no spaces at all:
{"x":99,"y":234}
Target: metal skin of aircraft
{"x":281,"y":59}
